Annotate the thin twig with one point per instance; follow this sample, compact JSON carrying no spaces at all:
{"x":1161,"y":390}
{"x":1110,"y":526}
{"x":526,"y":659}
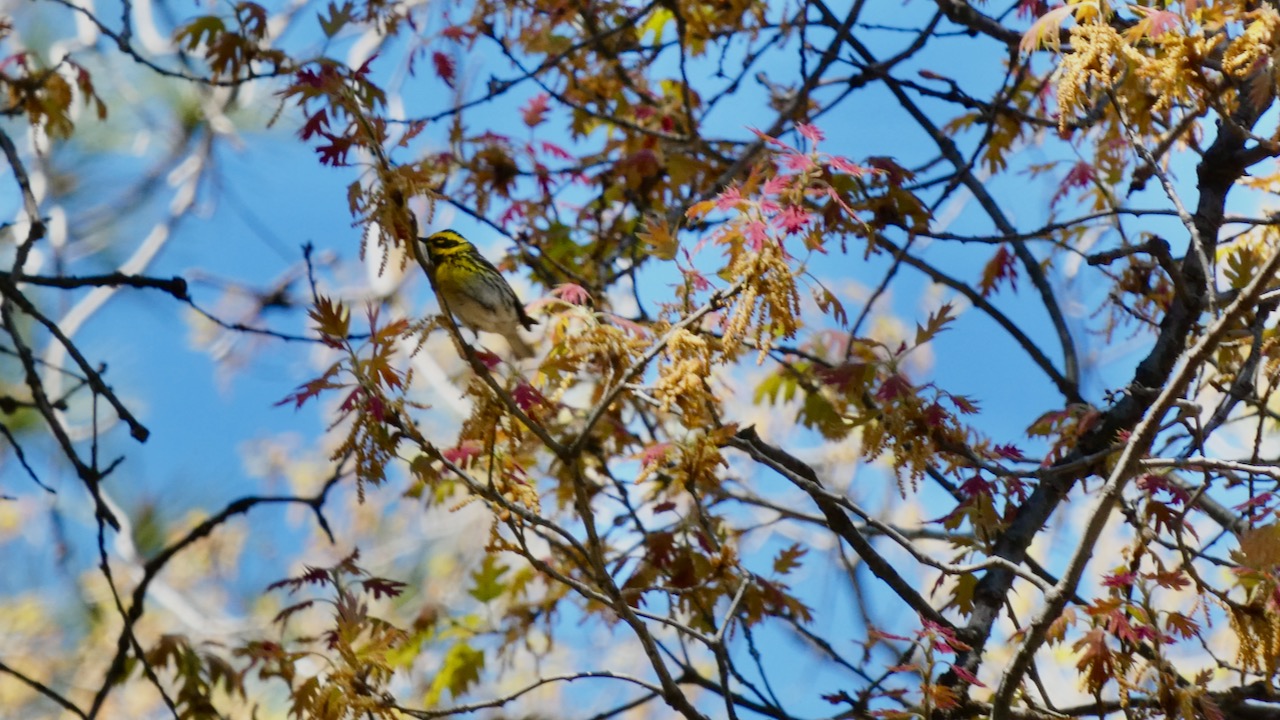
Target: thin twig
{"x":151,"y":569}
{"x":507,"y":699}
{"x":43,"y":689}
{"x":1130,"y":458}
{"x":100,"y":388}
{"x":37,"y":227}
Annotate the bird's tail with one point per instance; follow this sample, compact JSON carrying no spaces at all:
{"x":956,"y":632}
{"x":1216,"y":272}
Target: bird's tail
{"x":521,"y":348}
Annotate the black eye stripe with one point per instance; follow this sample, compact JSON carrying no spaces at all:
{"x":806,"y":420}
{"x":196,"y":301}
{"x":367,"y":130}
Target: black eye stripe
{"x":443,"y":242}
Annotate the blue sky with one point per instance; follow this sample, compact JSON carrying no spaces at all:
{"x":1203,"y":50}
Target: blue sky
{"x":277,"y":196}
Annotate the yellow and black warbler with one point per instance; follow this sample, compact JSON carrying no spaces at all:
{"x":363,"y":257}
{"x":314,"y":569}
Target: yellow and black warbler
{"x":476,"y":293}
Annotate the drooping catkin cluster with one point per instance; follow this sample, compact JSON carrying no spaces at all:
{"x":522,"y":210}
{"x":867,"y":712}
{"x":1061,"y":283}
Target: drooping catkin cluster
{"x":1257,"y":44}
{"x":682,"y":377}
{"x":768,"y":309}
{"x":1089,"y":70}
{"x":504,"y":442}
{"x":1256,"y":626}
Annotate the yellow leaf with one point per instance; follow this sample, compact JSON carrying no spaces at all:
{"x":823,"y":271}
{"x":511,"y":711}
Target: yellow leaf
{"x":1058,"y":628}
{"x":1153,"y":23}
{"x":656,"y":23}
{"x":661,"y":241}
{"x":1260,"y":548}
{"x":961,"y":122}
{"x":459,"y":671}
{"x":1089,"y":9}
{"x":1045,"y":31}
{"x":699,"y":210}
{"x":962,"y":594}
{"x":683,"y":168}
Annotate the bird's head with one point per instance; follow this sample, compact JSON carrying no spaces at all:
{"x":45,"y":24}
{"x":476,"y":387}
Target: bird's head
{"x":445,"y":243}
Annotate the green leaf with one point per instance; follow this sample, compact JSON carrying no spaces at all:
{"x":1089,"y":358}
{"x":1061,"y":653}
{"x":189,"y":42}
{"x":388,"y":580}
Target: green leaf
{"x":819,"y":414}
{"x":205,"y":28}
{"x":338,"y":18}
{"x":781,"y":384}
{"x":830,"y":304}
{"x":936,"y":323}
{"x":789,"y":559}
{"x":962,"y":594}
{"x":458,"y":673}
{"x":656,"y":23}
{"x":488,"y":580}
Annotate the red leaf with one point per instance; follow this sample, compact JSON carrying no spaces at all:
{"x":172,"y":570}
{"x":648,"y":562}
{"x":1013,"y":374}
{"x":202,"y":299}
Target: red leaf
{"x":463,"y":454}
{"x":286,"y":613}
{"x":335,"y":153}
{"x":654,"y":453}
{"x":966,"y":676}
{"x":572,"y":293}
{"x":457,"y":32}
{"x":535,"y":111}
{"x":895,"y":172}
{"x":1028,"y":9}
{"x":1154,"y":23}
{"x":811,"y":132}
{"x":837,"y":698}
{"x":792,"y":220}
{"x":757,"y":235}
{"x":976,"y":486}
{"x":445,"y":67}
{"x":873,"y":634}
{"x":306,"y":391}
{"x":19,"y":59}
{"x":544,"y":179}
{"x":379,"y":587}
{"x":1254,"y":502}
{"x":317,"y":123}
{"x":366,"y":66}
{"x":1009,"y":451}
{"x":308,"y":78}
{"x":776,"y":185}
{"x":527,"y":396}
{"x":377,"y":408}
{"x":1119,"y":580}
{"x":555,"y":150}
{"x":934,"y":416}
{"x":1080,"y":176}
{"x":845,"y":165}
{"x":999,"y":267}
{"x":894,"y":386}
{"x":349,"y":403}
{"x":728,"y":198}
{"x":697,"y":280}
{"x":515,"y":211}
{"x":798,"y":162}
{"x":772,"y":140}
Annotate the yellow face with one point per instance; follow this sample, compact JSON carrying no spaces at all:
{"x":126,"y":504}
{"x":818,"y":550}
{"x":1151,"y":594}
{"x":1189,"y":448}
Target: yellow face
{"x":446,"y":243}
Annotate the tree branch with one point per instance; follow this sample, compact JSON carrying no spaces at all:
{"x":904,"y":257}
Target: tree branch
{"x":1218,"y":170}
{"x":803,"y":476}
{"x":43,"y":689}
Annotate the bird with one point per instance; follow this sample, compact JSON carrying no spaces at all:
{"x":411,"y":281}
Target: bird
{"x":476,"y":293}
